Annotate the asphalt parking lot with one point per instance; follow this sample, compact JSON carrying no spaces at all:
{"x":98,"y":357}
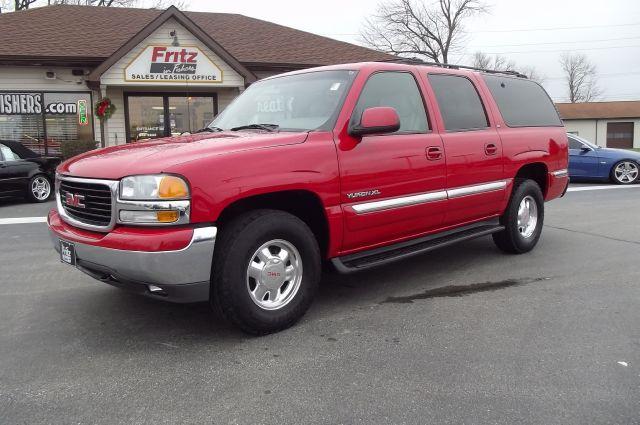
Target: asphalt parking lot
{"x":550,"y":337}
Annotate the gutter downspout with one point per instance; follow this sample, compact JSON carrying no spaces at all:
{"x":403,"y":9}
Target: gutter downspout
{"x":95,"y":86}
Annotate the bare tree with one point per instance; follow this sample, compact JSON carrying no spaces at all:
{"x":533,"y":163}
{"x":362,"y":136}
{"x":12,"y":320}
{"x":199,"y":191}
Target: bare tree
{"x":501,"y":63}
{"x":496,"y":62}
{"x":154,"y":4}
{"x":416,"y":28}
{"x":581,"y":77}
{"x":23,"y":4}
{"x":532,"y":74}
{"x":103,"y":3}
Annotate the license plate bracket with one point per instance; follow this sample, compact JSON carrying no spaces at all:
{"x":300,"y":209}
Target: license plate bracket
{"x":67,"y":252}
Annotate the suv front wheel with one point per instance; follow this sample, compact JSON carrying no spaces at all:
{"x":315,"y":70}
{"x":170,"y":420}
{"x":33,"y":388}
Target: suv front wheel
{"x":522,"y":219}
{"x":266,"y":271}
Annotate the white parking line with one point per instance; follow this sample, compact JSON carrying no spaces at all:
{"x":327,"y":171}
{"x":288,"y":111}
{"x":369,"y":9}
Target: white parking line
{"x":23,"y":220}
{"x":586,"y":188}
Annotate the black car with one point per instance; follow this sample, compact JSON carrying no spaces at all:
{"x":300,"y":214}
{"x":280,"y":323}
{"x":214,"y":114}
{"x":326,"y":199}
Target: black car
{"x":25,"y":173}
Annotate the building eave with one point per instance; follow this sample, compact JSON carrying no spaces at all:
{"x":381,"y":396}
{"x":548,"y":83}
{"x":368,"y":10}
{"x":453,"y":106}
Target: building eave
{"x":64,"y":61}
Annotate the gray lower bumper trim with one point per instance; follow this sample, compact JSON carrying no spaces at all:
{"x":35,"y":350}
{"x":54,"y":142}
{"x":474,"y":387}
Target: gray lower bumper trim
{"x":189,"y":265}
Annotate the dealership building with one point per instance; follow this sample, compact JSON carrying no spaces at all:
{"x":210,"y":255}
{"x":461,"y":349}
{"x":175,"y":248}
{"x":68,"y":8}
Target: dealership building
{"x":166,"y":72}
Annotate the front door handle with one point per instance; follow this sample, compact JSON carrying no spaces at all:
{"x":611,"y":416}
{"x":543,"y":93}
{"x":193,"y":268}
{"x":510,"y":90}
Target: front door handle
{"x":490,"y":149}
{"x":434,"y":153}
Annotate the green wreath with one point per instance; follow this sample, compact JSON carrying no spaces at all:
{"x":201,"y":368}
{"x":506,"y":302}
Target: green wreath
{"x":104,"y":108}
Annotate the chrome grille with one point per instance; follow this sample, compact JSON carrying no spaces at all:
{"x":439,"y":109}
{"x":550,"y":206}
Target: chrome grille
{"x":97,"y":201}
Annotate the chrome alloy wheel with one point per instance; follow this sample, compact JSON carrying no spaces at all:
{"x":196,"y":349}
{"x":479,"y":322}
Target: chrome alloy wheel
{"x":40,"y":188}
{"x":626,"y":172}
{"x":527,"y":216}
{"x":274,"y":274}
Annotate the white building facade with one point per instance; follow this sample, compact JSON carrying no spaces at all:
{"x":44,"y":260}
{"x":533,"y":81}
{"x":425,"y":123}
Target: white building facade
{"x":607,"y":124}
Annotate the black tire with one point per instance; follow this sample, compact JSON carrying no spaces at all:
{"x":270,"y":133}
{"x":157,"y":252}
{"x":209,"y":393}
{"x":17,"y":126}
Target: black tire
{"x":615,"y":180}
{"x":31,"y":194}
{"x":238,"y":241}
{"x":511,"y":240}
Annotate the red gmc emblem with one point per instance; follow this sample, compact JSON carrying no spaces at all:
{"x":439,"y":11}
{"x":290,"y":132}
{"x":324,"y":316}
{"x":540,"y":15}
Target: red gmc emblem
{"x":73,"y":200}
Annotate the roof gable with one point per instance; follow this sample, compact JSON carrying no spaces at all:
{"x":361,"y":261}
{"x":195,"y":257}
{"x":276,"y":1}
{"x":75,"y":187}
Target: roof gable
{"x":172,"y":13}
{"x":156,"y":62}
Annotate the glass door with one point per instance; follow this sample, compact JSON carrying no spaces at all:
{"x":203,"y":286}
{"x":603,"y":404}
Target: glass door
{"x":146,"y":117}
{"x":151,"y":116}
{"x":189,"y":114}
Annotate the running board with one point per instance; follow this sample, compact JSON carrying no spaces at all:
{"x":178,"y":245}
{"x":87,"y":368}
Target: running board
{"x":388,"y":254}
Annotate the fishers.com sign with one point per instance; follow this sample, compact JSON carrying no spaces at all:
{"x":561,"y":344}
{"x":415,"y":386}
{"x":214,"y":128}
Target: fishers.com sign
{"x":169,"y":64}
{"x":31,"y":104}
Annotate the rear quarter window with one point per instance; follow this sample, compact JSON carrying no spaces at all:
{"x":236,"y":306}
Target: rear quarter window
{"x":522,"y":103}
{"x":459,"y":102}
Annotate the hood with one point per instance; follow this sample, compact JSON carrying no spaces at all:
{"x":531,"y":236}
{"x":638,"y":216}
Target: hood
{"x":156,"y":156}
{"x":611,"y":153}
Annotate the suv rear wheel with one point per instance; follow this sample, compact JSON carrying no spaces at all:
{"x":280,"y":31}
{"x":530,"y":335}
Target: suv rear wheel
{"x":266,"y":271}
{"x":523,"y":219}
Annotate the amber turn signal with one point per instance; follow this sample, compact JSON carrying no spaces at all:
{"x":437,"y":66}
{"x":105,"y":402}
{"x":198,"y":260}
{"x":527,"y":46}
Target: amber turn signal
{"x":172,"y":187}
{"x":167,"y":216}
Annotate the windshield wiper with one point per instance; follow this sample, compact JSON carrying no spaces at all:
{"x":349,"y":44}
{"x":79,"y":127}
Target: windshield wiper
{"x":266,"y":127}
{"x":209,"y":129}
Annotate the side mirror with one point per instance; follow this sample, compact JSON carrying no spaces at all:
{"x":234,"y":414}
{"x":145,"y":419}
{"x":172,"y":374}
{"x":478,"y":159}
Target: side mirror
{"x":377,"y":120}
{"x":585,"y":148}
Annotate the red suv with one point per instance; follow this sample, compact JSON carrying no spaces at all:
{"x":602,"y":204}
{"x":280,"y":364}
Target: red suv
{"x":358,"y":165}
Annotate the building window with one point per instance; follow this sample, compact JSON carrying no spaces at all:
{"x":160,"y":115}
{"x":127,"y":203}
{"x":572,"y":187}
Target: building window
{"x":150,"y":116}
{"x":42,"y":121}
{"x":67,"y":119}
{"x":620,"y":135}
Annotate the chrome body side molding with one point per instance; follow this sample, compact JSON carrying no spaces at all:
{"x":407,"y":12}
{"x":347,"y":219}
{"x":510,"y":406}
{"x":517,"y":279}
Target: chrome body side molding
{"x":423,"y":198}
{"x":475,"y":189}
{"x":400,"y":202}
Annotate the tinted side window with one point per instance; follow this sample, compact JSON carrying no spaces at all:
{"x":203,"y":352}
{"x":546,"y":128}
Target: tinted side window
{"x":522,"y":103}
{"x":574,"y":144}
{"x":459,"y":102}
{"x":398,"y":90}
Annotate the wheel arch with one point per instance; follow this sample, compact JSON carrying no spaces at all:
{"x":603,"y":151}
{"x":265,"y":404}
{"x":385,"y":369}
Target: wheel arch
{"x":536,"y":171}
{"x":304,"y":204}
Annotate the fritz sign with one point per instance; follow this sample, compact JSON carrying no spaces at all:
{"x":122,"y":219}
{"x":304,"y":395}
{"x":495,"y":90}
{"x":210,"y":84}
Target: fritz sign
{"x":169,"y":64}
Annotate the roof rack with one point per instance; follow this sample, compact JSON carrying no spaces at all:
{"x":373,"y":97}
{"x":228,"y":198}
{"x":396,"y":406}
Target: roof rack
{"x":416,"y":61}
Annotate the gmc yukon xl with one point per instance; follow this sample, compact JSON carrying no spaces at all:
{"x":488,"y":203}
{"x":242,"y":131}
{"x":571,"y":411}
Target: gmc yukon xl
{"x":354,"y":165}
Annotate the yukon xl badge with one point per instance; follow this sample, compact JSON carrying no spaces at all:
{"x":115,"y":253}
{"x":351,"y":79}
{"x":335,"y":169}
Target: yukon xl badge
{"x":363,"y":194}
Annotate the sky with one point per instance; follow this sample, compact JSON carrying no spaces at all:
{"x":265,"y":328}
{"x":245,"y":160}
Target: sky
{"x":530,"y":33}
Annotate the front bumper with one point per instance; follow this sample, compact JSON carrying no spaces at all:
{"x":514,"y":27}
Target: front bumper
{"x":180,"y":275}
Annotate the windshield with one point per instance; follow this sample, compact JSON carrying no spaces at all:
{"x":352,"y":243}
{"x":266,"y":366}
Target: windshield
{"x":300,"y":102}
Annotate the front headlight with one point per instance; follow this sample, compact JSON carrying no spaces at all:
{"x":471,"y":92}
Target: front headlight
{"x":159,"y":199}
{"x":153,"y":187}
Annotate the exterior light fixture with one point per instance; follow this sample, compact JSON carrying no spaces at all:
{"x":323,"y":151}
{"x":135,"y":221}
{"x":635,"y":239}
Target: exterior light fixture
{"x":175,"y":41}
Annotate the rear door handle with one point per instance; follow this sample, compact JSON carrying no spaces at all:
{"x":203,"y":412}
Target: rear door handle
{"x":490,"y":149}
{"x":434,"y":153}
